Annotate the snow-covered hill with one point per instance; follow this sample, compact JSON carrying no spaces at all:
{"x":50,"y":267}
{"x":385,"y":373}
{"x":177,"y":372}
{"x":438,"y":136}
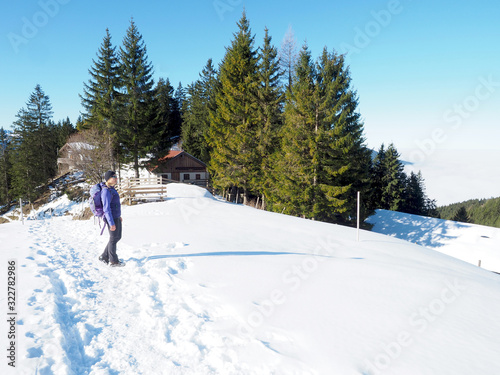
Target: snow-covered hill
{"x":216,"y":288}
{"x":468,"y":242}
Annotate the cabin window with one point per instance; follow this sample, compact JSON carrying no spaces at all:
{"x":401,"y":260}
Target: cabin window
{"x":198,"y":176}
{"x":186,"y":176}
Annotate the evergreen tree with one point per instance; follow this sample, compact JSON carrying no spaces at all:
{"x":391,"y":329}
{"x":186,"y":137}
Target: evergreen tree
{"x":322,"y":152}
{"x":34,"y":151}
{"x":393,"y":181}
{"x":80,"y":123}
{"x":100,"y":95}
{"x":270,"y":103}
{"x":431,"y":208}
{"x":165,"y":117}
{"x":178,"y":107}
{"x":4,"y":168}
{"x":138,"y":133}
{"x":393,"y":190}
{"x":200,"y":102}
{"x":64,"y":130}
{"x":347,"y":161}
{"x":414,"y":199}
{"x":232,"y":133}
{"x":461,"y":215}
{"x":378,"y":172}
{"x":293,"y":175}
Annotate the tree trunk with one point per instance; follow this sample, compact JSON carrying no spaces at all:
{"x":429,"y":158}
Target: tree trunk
{"x":136,"y":165}
{"x":245,"y":196}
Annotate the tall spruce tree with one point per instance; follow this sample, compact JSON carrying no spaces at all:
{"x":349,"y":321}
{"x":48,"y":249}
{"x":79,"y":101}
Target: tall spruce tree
{"x":64,"y":130}
{"x":346,"y":159}
{"x":232,"y":133}
{"x":414,"y":199}
{"x":100,"y":94}
{"x":377,"y":173}
{"x":165,"y":104}
{"x":34,"y":151}
{"x":200,"y":102}
{"x":293,"y":174}
{"x":178,"y":108}
{"x":270,"y":103}
{"x":138,"y":133}
{"x":393,"y":182}
{"x":4,"y":167}
{"x":323,"y":159}
{"x":461,"y":215}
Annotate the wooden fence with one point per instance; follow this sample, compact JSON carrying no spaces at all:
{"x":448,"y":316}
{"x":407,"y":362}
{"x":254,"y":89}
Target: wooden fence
{"x":153,"y":188}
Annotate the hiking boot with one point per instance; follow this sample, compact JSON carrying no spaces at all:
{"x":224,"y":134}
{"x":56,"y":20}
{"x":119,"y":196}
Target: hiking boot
{"x":117,"y":264}
{"x":106,"y":261}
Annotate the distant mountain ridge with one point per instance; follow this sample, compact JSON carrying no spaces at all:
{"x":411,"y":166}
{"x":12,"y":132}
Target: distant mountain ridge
{"x":478,"y":211}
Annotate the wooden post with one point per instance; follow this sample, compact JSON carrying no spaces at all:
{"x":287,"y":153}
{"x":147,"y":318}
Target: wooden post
{"x":129,"y":193}
{"x":21,"y":205}
{"x":359,"y":203}
{"x":479,"y":265}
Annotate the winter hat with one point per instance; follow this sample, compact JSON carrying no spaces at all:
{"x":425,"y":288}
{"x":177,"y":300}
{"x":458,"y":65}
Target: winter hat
{"x":108,"y":175}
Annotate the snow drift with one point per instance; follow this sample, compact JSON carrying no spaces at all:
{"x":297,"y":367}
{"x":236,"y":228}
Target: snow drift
{"x":468,"y":242}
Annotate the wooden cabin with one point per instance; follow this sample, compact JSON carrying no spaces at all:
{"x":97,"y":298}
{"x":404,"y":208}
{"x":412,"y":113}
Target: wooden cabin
{"x":73,"y":155}
{"x":183,"y":167}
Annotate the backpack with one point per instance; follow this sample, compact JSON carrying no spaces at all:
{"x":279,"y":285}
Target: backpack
{"x":95,"y":202}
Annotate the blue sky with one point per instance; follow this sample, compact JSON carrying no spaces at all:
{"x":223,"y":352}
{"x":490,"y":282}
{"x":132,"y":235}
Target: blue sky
{"x":427,"y":72}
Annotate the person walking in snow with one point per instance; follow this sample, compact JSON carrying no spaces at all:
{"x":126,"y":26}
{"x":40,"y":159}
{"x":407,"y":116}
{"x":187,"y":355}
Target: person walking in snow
{"x":112,"y":212}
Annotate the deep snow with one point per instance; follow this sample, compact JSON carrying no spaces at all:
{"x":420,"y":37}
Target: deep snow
{"x":216,"y":288}
{"x":475,"y":244}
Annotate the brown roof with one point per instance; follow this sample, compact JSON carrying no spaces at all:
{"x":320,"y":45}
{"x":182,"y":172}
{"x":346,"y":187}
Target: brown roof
{"x":170,"y":155}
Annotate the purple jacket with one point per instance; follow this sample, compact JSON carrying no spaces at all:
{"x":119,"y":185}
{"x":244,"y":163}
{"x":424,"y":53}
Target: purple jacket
{"x":111,"y":205}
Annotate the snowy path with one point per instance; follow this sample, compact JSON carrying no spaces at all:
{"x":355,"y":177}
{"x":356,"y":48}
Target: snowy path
{"x":87,"y":318}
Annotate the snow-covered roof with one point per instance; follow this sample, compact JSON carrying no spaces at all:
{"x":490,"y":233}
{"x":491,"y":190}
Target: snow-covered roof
{"x":80,"y":146}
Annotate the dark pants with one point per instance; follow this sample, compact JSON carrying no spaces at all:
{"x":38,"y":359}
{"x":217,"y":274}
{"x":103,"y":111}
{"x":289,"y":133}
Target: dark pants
{"x":114,"y":236}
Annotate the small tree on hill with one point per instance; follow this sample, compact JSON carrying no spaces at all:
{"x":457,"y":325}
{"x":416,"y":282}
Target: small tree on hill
{"x":461,"y":215}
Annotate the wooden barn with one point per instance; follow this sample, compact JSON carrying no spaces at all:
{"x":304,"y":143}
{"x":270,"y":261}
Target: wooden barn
{"x":182,"y":167}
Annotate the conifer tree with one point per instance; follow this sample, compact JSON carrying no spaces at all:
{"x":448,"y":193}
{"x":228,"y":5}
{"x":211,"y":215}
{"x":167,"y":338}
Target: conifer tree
{"x":164,"y":102}
{"x":461,"y":215}
{"x":377,"y":176}
{"x":393,"y":181}
{"x":234,"y":160}
{"x":200,"y":102}
{"x":322,"y":152}
{"x":414,"y":199}
{"x":270,"y":103}
{"x":346,"y":160}
{"x":4,"y":167}
{"x":64,"y":130}
{"x":293,"y":175}
{"x":178,"y":107}
{"x":100,"y":95}
{"x":34,"y":151}
{"x":138,"y":132}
